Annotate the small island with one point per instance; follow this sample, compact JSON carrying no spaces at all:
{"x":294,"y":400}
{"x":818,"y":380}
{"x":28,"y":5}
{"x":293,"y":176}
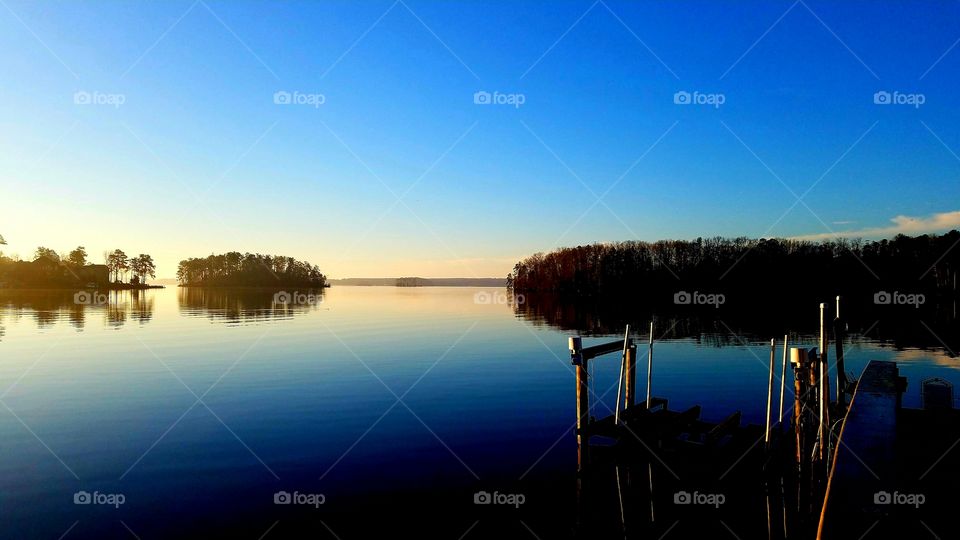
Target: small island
{"x":50,"y":270}
{"x":235,"y":269}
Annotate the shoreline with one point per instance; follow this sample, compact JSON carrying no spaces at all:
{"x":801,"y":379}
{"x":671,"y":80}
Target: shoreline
{"x":113,"y":287}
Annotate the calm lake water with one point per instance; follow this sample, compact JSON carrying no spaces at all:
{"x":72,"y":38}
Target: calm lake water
{"x":198,"y":407}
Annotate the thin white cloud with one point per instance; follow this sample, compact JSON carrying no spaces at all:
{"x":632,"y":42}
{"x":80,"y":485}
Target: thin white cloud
{"x":901,"y":225}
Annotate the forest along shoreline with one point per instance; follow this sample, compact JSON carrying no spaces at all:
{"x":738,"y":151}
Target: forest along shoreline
{"x":70,"y":271}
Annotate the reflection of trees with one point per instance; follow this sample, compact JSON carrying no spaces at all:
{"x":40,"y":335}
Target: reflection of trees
{"x":141,"y":306}
{"x":244,"y":304}
{"x":48,"y":307}
{"x":734,"y":324}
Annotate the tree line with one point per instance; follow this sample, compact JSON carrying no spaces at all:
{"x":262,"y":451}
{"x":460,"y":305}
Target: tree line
{"x":49,"y":267}
{"x":249,"y":269}
{"x":757,"y":267}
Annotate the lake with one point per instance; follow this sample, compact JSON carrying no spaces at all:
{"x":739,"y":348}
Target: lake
{"x":176,"y":412}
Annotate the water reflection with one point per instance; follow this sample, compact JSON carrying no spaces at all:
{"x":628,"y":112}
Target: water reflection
{"x":245,"y":305}
{"x":734,"y":324}
{"x":49,"y":307}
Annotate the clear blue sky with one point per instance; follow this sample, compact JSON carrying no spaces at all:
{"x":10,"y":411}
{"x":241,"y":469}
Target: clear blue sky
{"x":198,"y":158}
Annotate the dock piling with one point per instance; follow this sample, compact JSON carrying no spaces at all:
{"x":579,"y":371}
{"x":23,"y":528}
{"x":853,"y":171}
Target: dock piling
{"x":583,"y":399}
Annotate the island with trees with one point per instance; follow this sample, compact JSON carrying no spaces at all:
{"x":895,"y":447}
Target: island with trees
{"x":48,"y":269}
{"x":235,"y":269}
{"x":748,"y":271}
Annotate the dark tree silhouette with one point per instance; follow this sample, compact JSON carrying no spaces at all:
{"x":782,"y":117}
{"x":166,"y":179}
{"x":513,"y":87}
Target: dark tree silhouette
{"x":748,"y":268}
{"x":248,"y":269}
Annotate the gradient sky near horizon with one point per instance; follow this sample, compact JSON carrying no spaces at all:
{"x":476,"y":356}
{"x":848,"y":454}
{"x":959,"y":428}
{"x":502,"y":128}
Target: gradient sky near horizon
{"x":199,"y":159}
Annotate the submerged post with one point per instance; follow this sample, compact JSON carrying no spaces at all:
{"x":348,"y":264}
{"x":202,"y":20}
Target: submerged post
{"x":766,"y":436}
{"x":649,"y":365}
{"x":583,"y":399}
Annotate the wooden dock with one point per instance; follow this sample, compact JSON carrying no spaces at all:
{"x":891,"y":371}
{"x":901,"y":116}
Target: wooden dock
{"x":876,"y":470}
{"x":895,"y":469}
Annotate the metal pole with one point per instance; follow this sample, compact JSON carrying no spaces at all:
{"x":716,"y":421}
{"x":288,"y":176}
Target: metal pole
{"x":649,"y":365}
{"x":766,"y":437}
{"x":623,"y":362}
{"x":783,"y":373}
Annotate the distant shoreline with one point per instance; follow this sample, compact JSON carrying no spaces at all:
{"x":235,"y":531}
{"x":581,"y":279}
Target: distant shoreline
{"x":270,"y":287}
{"x":419,"y":282}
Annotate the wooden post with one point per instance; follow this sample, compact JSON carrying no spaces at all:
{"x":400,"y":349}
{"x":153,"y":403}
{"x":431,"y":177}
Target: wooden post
{"x":766,"y":436}
{"x":798,"y":360}
{"x":630,"y":396}
{"x":583,"y":401}
{"x":649,"y":365}
{"x":813,"y":398}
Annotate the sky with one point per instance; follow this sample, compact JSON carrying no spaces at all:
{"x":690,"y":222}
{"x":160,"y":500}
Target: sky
{"x":451,"y":139}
